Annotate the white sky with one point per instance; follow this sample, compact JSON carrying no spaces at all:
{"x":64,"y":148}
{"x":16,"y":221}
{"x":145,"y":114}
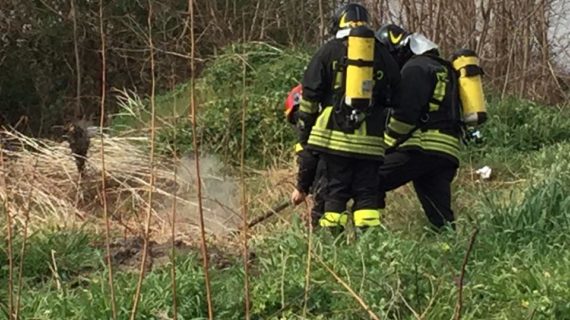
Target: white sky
{"x":560,"y":32}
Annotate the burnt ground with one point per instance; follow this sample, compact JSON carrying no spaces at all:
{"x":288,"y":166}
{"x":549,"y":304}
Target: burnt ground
{"x":127,"y":254}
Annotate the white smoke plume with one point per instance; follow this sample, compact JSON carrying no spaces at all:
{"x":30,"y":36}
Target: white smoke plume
{"x":220,"y":195}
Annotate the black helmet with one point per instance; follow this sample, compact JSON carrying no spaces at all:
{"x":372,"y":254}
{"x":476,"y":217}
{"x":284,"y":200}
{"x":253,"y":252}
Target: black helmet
{"x":396,"y":40}
{"x":392,"y":36}
{"x":348,"y":16}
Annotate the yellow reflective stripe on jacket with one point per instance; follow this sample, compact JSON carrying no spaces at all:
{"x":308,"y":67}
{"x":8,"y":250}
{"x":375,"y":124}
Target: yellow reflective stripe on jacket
{"x":308,"y":106}
{"x":439,"y":91}
{"x":338,"y":76}
{"x":435,"y":141}
{"x":435,"y":138}
{"x":389,"y":140}
{"x":333,"y":143}
{"x":433,"y":107}
{"x":358,"y":142}
{"x":433,"y":146}
{"x":348,"y":137}
{"x":400,"y":127}
{"x":298,"y":148}
{"x":367,"y":218}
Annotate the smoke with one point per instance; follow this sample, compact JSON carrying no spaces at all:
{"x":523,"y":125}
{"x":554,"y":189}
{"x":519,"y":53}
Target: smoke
{"x":220,"y":195}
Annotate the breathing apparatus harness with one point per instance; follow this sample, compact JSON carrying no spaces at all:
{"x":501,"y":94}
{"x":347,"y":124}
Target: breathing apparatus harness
{"x":435,"y":119}
{"x":354,"y":79}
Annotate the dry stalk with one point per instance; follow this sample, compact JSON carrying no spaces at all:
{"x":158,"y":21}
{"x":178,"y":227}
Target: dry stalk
{"x":244,"y":206}
{"x":309,"y":260}
{"x":459,"y":305}
{"x":338,"y":279}
{"x":431,"y":301}
{"x":103,"y":166}
{"x":152,"y":174}
{"x":78,"y":109}
{"x":283,"y":272}
{"x":24,"y":244}
{"x":173,"y":243}
{"x":10,"y":253}
{"x":407,"y":304}
{"x":204,"y":247}
{"x":54,"y":270}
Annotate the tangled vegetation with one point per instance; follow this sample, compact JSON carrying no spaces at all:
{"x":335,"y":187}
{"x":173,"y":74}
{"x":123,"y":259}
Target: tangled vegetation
{"x":257,"y":76}
{"x":519,"y":267}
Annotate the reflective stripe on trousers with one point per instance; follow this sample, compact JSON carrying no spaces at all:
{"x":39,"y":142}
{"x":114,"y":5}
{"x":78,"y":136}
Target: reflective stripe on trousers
{"x":367,"y":218}
{"x":333,"y":219}
{"x":362,"y":218}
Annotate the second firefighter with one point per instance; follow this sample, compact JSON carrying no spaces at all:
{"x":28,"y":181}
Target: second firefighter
{"x":346,"y":87}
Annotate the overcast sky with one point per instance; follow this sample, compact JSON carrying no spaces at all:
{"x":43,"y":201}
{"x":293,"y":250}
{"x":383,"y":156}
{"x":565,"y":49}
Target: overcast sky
{"x":560,"y":32}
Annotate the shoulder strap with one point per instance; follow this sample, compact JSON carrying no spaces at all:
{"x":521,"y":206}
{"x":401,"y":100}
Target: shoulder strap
{"x":456,"y":109}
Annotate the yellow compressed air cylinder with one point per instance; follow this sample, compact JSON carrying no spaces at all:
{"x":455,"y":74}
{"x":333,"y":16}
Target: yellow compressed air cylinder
{"x":359,"y":80}
{"x":466,"y":62}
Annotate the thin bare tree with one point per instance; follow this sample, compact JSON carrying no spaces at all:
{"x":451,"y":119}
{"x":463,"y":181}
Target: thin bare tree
{"x":73,"y":14}
{"x":103,"y":164}
{"x":27,"y":208}
{"x":193,"y":115}
{"x":10,"y":241}
{"x":173,"y":244}
{"x":152,"y":174}
{"x":243,"y":188}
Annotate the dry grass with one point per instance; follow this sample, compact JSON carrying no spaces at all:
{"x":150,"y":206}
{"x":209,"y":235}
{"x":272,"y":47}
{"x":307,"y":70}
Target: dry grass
{"x":43,"y":172}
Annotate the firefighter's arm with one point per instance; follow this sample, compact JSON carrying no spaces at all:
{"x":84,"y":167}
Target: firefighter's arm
{"x":305,"y":122}
{"x":314,"y":87}
{"x":413,"y":94}
{"x":307,"y":162}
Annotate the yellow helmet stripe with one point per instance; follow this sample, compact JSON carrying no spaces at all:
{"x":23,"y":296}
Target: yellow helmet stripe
{"x":395,"y":39}
{"x":349,"y":24}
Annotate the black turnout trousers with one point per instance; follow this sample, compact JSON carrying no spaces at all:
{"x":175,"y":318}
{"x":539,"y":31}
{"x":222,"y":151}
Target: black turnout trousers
{"x":349,"y":178}
{"x":431,"y":176}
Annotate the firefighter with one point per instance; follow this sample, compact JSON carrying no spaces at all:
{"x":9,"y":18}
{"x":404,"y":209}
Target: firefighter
{"x":424,"y":130}
{"x":346,"y":86}
{"x":311,"y":178}
{"x":394,"y":37}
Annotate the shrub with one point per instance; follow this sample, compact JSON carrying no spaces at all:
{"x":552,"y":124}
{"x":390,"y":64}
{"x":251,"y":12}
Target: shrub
{"x":71,"y":249}
{"x":269,"y":74}
{"x":520,"y":125}
{"x":543,"y":213}
{"x":515,"y":131}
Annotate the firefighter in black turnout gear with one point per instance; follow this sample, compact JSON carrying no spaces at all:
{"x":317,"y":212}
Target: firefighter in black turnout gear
{"x":346,"y":87}
{"x":309,"y":180}
{"x":394,"y":38}
{"x":424,"y":131}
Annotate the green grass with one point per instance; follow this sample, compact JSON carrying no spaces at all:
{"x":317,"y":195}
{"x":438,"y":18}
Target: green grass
{"x":512,"y":274}
{"x":519,"y":267}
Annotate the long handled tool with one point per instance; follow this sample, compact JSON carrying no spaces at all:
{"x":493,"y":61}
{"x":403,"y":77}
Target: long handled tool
{"x":269,"y":213}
